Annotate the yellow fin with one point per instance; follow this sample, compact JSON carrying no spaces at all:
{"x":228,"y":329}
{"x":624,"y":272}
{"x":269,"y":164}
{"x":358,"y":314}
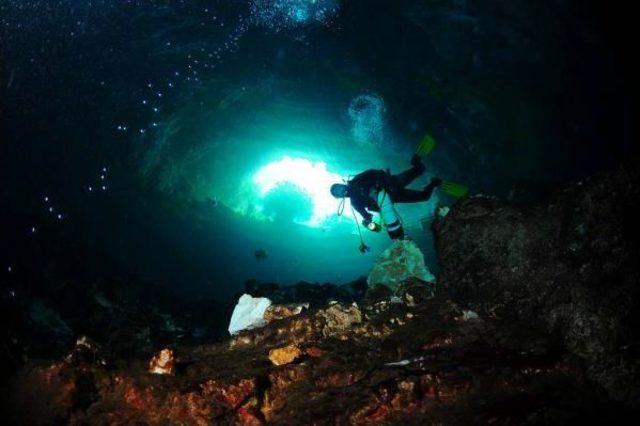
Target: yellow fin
{"x":426,"y":145}
{"x":454,"y":189}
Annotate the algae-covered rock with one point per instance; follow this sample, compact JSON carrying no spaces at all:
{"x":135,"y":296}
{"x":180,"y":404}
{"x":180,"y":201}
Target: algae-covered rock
{"x":339,"y":319}
{"x":569,"y":266}
{"x":401,"y":261}
{"x":278,"y":312}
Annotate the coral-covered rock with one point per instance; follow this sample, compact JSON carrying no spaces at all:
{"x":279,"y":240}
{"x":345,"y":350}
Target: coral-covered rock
{"x":339,"y":318}
{"x":277,"y":312}
{"x":313,"y":351}
{"x":162,"y":362}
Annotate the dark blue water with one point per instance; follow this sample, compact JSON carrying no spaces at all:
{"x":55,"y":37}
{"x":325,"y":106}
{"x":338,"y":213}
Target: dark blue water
{"x":173,"y":139}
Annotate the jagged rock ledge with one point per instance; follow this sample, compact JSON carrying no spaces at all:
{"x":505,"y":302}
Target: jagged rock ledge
{"x":568,"y":266}
{"x":383,"y":362}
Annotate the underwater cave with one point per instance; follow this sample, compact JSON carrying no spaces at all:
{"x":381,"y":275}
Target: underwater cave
{"x":318,"y":212}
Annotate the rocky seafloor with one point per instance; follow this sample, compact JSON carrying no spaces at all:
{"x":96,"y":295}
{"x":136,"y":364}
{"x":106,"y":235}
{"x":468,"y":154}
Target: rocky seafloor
{"x":533,"y":321}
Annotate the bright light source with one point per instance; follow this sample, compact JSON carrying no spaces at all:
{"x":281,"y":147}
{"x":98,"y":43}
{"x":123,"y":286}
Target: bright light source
{"x":313,"y":179}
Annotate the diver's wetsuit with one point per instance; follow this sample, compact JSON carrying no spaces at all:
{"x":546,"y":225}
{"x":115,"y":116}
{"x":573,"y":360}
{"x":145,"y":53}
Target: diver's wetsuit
{"x":364,"y":187}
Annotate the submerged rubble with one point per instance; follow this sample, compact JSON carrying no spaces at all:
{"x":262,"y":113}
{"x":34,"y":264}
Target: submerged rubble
{"x":428,"y":363}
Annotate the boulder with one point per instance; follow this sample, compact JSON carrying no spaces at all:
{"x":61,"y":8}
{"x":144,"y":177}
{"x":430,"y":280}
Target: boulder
{"x":568,"y":266}
{"x":248,"y":313}
{"x":399,"y":262}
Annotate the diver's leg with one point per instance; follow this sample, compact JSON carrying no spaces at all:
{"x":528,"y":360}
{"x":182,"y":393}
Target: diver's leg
{"x":404,"y":195}
{"x":408,"y":176}
{"x":410,"y":196}
{"x":428,"y":190}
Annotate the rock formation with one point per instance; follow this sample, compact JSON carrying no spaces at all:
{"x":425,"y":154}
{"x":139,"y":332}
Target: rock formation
{"x":533,"y":321}
{"x":568,"y":267}
{"x":400,"y":261}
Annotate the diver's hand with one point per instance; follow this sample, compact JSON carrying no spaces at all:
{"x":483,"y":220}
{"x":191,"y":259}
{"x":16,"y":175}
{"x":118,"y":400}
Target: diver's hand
{"x":436,"y":181}
{"x":371,"y":225}
{"x":374,"y":227}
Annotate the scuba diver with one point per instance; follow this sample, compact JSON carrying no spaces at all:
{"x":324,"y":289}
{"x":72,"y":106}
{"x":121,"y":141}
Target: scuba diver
{"x":378,"y":191}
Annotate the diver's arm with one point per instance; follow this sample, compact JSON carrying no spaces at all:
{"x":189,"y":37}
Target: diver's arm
{"x":366,"y":216}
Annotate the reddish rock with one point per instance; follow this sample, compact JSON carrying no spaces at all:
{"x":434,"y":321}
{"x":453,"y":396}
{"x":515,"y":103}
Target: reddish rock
{"x":407,"y":396}
{"x":313,"y":351}
{"x":190,"y":408}
{"x":340,"y":379}
{"x":277,"y":395}
{"x":48,"y":392}
{"x":372,"y":413}
{"x":162,"y":362}
{"x":249,"y":415}
{"x":230,"y":395}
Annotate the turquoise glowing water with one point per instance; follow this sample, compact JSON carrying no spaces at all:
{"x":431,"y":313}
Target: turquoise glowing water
{"x":271,"y":160}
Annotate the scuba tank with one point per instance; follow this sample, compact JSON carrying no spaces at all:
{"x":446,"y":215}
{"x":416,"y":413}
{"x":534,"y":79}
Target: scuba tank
{"x":389,"y":216}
